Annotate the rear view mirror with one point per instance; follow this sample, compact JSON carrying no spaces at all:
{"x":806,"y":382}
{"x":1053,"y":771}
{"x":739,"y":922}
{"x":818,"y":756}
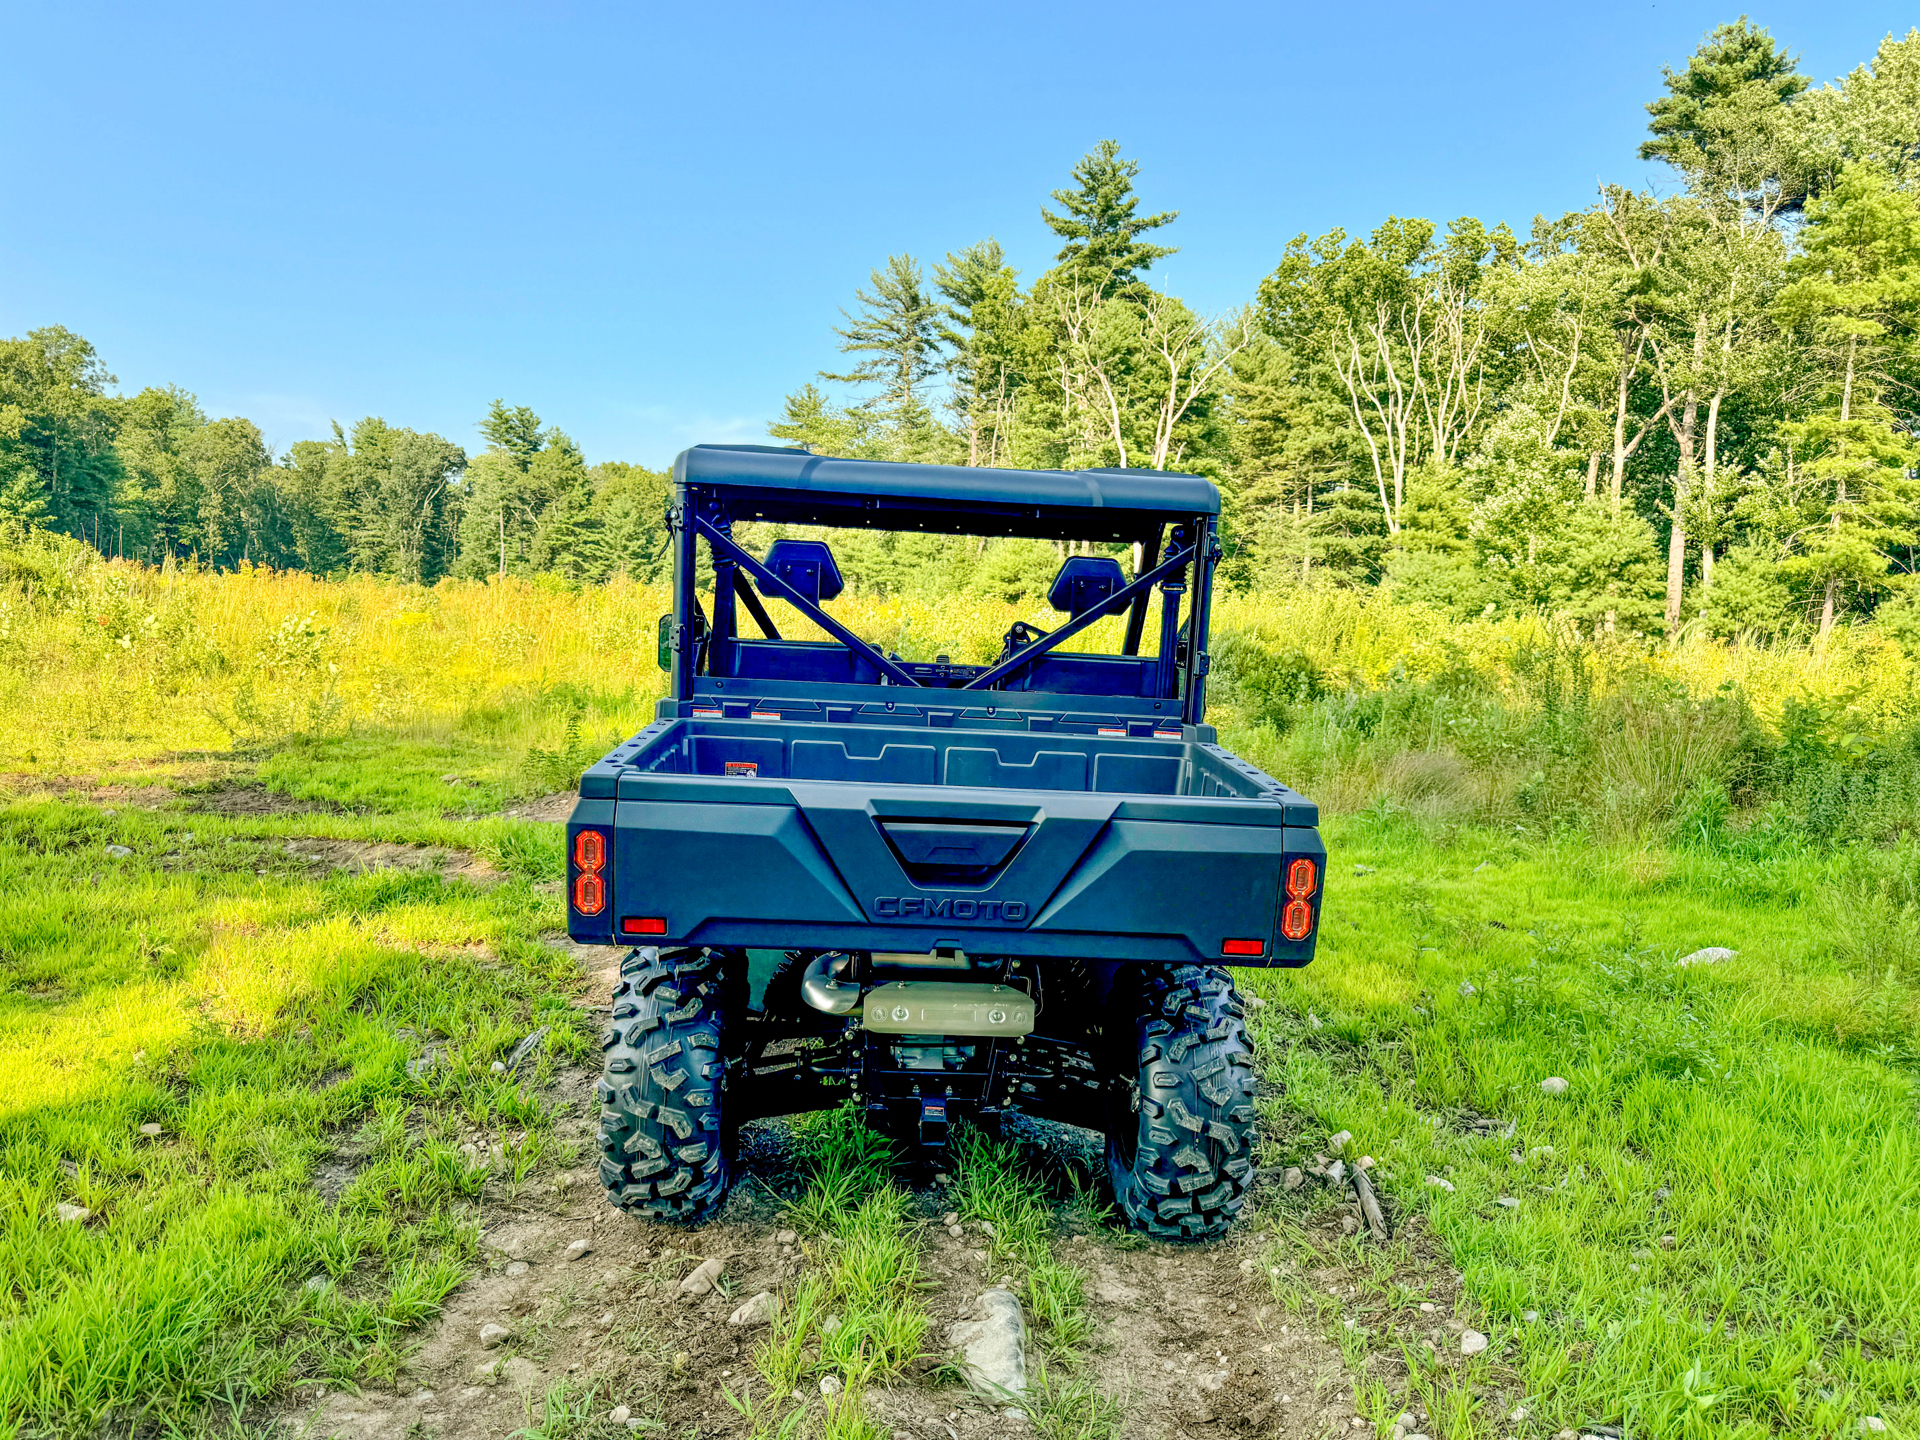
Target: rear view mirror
{"x":666,"y":643}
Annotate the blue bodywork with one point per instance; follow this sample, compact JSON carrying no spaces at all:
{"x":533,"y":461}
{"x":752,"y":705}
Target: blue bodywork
{"x":829,"y":796}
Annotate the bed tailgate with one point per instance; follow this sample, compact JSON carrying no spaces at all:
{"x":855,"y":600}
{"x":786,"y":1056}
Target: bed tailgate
{"x":690,"y":860}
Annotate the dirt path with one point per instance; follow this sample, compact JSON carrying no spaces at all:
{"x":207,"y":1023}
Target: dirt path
{"x":1187,"y":1340}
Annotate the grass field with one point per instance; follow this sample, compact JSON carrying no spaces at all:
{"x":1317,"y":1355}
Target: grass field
{"x":1716,"y":1223}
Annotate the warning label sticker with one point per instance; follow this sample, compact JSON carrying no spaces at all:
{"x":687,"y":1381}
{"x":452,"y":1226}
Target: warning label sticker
{"x":750,"y":769}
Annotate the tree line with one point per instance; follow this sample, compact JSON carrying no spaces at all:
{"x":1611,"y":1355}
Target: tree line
{"x":1699,"y":405}
{"x":1662,"y":407}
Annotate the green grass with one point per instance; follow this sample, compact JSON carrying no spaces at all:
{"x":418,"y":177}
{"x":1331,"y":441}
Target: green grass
{"x":857,"y":1315}
{"x":264,"y":1018}
{"x":1722,"y":1238}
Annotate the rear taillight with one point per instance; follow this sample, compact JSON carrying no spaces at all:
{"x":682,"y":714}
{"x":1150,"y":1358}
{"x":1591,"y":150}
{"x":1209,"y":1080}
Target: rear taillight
{"x":590,"y":868}
{"x":1297,"y":917}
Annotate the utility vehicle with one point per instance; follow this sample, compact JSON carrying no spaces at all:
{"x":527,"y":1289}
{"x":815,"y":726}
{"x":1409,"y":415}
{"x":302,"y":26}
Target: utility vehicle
{"x":944,"y":890}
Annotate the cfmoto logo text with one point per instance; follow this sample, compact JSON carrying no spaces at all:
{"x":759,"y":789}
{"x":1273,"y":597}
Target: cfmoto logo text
{"x":943,"y":908}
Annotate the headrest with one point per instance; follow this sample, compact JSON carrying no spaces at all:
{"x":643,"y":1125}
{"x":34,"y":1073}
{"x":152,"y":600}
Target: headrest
{"x":1085,"y":582}
{"x":807,"y":565}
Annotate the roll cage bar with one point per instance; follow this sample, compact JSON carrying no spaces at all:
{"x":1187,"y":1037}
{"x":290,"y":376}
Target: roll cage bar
{"x":1172,"y":517}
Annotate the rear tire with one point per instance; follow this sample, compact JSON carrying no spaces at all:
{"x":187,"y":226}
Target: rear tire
{"x":1180,"y":1138}
{"x":662,"y":1144}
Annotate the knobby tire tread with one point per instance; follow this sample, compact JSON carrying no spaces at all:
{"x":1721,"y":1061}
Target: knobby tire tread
{"x":1193,"y":1154}
{"x":662,"y":1145}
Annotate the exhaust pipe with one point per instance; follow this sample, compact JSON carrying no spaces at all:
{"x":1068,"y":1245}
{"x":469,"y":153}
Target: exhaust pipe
{"x":820,"y":988}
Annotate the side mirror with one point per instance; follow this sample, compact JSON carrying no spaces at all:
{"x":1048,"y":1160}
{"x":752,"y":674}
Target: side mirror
{"x":666,"y":642}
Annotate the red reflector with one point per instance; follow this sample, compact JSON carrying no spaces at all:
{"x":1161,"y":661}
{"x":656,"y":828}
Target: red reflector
{"x":1297,"y":920}
{"x":1300,"y":879}
{"x":1241,"y":948}
{"x":590,"y":893}
{"x":643,"y":925}
{"x":590,"y":850}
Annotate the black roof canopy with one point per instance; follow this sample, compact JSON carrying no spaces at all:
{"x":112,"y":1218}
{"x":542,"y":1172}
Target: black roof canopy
{"x":775,"y":483}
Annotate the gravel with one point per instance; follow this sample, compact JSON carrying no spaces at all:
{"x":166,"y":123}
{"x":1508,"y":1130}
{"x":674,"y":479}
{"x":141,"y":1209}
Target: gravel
{"x":1473,"y":1343}
{"x":1553,"y":1086}
{"x":576,"y":1249}
{"x":67,"y":1211}
{"x":492,"y":1334}
{"x":1440,"y":1183}
{"x":152,"y":1128}
{"x":1292,"y":1179}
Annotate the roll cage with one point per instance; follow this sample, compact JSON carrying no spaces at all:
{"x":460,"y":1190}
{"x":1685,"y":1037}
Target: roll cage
{"x":1173,"y":518}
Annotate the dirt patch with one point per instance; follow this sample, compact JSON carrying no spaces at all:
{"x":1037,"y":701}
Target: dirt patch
{"x":556,"y":807}
{"x":255,"y":800}
{"x":85,"y":789}
{"x":319,"y":853}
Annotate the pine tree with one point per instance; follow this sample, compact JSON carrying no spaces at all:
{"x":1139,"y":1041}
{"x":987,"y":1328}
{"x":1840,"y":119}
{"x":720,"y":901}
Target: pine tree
{"x":1101,"y":233}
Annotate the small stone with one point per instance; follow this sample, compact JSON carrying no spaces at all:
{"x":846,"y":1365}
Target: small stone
{"x":1211,"y":1380}
{"x":522,"y":1372}
{"x":1349,"y":1226}
{"x":1399,"y":1433}
{"x":1361,"y":870}
{"x":1254,"y":1003}
{"x":1338,"y":1141}
{"x":152,"y":1128}
{"x":1553,"y":1085}
{"x":1530,"y":1316}
{"x":1518,"y":1414}
{"x":315,"y":1283}
{"x":619,"y":1415}
{"x":952,"y":1218}
{"x":488,"y":1371}
{"x":830,"y":1385}
{"x":830,"y":1326}
{"x":1014,"y":1413}
{"x":492,"y":1334}
{"x":1167,"y":1365}
{"x":1406,"y":1418}
{"x":1429,"y":1307}
{"x":1507,"y":1201}
{"x":516,"y":1268}
{"x":576,"y":1249}
{"x":1467,"y":989}
{"x":955,"y":1232}
{"x":1473,"y":1343}
{"x":1873,"y":1423}
{"x":681,"y":1358}
{"x":452,"y":781}
{"x":787,"y":1238}
{"x":941,"y":1179}
{"x":119,"y":850}
{"x":987,"y":1228}
{"x":1366,"y":1163}
{"x":1292,"y":1179}
{"x":701,"y":1279}
{"x":423,"y":1397}
{"x":1707,"y":956}
{"x":1440,"y":1183}
{"x":757,"y":1310}
{"x":606,"y":1320}
{"x":498,"y":1068}
{"x":67,"y":1211}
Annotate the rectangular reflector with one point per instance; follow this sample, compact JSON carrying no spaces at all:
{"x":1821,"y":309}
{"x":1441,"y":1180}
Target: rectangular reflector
{"x":1242,"y":948}
{"x":643,"y":925}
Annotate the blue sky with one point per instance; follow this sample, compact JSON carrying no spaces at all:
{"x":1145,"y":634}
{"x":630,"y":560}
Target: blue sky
{"x":640,"y":220}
